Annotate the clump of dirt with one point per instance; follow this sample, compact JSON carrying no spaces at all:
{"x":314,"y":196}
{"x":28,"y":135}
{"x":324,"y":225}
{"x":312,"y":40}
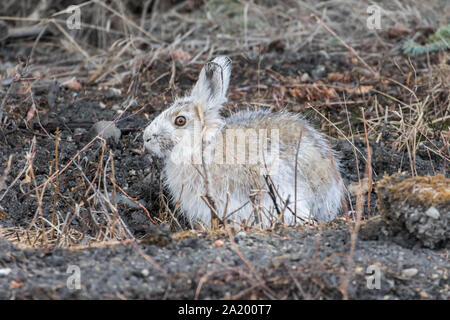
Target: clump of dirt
{"x":418,"y":205}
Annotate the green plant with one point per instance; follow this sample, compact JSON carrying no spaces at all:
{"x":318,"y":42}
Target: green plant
{"x":438,"y":41}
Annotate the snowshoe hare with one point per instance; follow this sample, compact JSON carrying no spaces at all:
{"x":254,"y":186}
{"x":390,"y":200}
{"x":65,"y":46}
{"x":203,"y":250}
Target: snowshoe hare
{"x":222,"y":167}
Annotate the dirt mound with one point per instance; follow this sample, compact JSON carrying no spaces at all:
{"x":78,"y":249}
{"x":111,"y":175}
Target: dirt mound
{"x":419,"y":205}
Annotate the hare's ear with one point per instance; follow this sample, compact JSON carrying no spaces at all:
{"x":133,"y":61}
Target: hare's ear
{"x":212,"y":84}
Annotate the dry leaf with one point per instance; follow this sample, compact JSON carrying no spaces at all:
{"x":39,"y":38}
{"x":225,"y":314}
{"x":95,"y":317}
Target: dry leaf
{"x":297,"y":93}
{"x":30,"y":113}
{"x":16,"y":284}
{"x":182,"y":55}
{"x":24,"y":88}
{"x":356,"y":187}
{"x":74,"y":85}
{"x":28,"y":89}
{"x":339,"y":77}
{"x":3,"y":215}
{"x":313,"y":92}
{"x":329,"y":93}
{"x":25,"y":180}
{"x":359,"y":90}
{"x":398,"y":31}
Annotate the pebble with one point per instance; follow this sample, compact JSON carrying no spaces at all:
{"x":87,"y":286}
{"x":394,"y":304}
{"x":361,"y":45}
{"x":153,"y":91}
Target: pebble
{"x":79,"y":131}
{"x":240,"y":235}
{"x":359,"y":270}
{"x":432,"y":212}
{"x":5,"y":271}
{"x":145,"y":272}
{"x":108,"y":128}
{"x":305,"y":77}
{"x":218,"y":243}
{"x":324,"y":54}
{"x":113,"y":92}
{"x":319,"y":72}
{"x":409,"y":273}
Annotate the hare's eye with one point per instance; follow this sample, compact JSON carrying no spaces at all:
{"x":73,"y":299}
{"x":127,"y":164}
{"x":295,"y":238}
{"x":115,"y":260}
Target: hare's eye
{"x":180,"y":121}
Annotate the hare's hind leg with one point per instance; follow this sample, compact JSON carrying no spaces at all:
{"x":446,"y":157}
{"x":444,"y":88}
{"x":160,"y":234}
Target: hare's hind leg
{"x":328,"y":205}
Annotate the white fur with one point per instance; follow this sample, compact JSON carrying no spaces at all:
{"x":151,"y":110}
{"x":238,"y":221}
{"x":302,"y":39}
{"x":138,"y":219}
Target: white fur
{"x":238,"y":188}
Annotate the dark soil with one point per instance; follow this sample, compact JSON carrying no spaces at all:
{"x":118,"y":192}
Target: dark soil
{"x":293,"y":263}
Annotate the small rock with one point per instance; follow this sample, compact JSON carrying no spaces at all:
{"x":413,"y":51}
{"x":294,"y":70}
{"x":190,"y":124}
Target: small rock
{"x":359,"y":270}
{"x":120,"y":198}
{"x":113,"y":92}
{"x":409,"y":273}
{"x":432,"y":212}
{"x":73,"y":84}
{"x":390,"y":283}
{"x":5,"y":271}
{"x":324,"y":54}
{"x":145,"y":272}
{"x":105,"y":129}
{"x":240,"y":235}
{"x":319,"y":72}
{"x":218,"y":243}
{"x":79,"y":131}
{"x":305,"y":77}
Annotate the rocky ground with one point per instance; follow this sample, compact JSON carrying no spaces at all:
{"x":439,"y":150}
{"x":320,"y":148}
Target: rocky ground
{"x":289,"y":263}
